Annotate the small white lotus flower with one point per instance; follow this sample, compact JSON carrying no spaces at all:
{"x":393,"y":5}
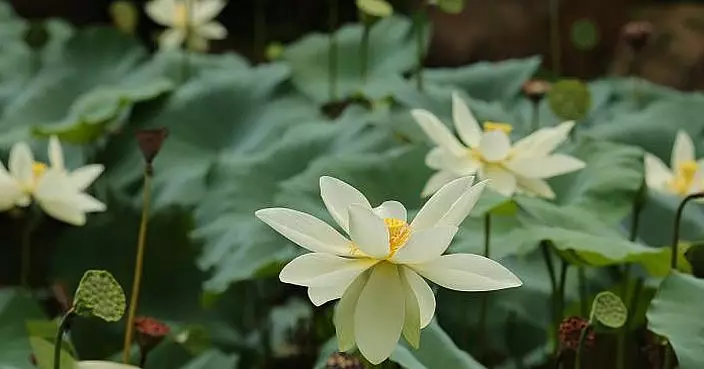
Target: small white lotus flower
{"x":686,"y":173}
{"x":95,"y":364}
{"x":189,"y":21}
{"x":521,"y":167}
{"x":56,"y":190}
{"x":378,"y":272}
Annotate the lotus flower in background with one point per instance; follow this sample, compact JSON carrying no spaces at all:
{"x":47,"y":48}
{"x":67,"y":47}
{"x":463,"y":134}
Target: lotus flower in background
{"x":57,"y":191}
{"x":102,"y":365}
{"x":188,"y":21}
{"x":521,"y":167}
{"x":378,"y":272}
{"x":685,"y":175}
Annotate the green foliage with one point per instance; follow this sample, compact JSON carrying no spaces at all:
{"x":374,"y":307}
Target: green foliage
{"x":43,"y":352}
{"x":375,"y":8}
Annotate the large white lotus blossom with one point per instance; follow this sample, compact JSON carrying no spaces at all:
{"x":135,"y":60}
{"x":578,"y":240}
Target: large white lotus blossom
{"x":189,"y":21}
{"x":56,"y":190}
{"x":102,"y":365}
{"x":378,"y":271}
{"x":521,"y":167}
{"x":685,"y":175}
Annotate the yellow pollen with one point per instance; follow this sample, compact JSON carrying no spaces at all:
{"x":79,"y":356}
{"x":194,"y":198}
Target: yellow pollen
{"x":181,"y":18}
{"x":399,"y":232}
{"x":38,"y":169}
{"x":496,"y":126}
{"x":684,"y":175}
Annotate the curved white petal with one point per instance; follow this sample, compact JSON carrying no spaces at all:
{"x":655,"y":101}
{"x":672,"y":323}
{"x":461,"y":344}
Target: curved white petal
{"x":535,"y":187}
{"x":88,"y":203}
{"x":84,"y":176}
{"x":436,"y":181}
{"x":63,"y":210}
{"x":495,"y":146}
{"x":368,"y":232}
{"x":391,"y":209}
{"x":321,"y":295}
{"x":424,"y":295}
{"x":682,"y":150}
{"x":10,"y":191}
{"x":338,"y":196}
{"x":438,"y":132}
{"x":206,"y":10}
{"x":172,"y":38}
{"x":323,"y":270}
{"x":379,"y":316}
{"x":305,"y":230}
{"x":466,"y":124}
{"x":212,"y":31}
{"x":500,"y":180}
{"x":657,"y":175}
{"x":56,"y":153}
{"x":20,"y":164}
{"x":460,"y":210}
{"x":345,"y":311}
{"x":440,"y":204}
{"x":545,"y":166}
{"x":467,"y":272}
{"x":425,"y":245}
{"x":441,"y":159}
{"x":161,"y":11}
{"x":543,"y":141}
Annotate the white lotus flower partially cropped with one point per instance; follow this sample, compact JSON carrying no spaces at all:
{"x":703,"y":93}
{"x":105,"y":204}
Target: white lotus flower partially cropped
{"x":95,"y":364}
{"x":686,"y":174}
{"x":521,"y":167}
{"x":378,"y":272}
{"x":56,"y":190}
{"x":189,"y":21}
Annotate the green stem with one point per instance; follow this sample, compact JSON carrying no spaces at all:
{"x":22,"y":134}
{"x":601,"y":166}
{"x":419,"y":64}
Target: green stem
{"x":419,"y":21}
{"x":536,"y":116}
{"x":485,"y":297}
{"x":580,"y":347}
{"x":63,"y":327}
{"x":332,"y":50}
{"x":561,"y":293}
{"x":547,"y":257}
{"x":667,"y":362}
{"x":582,"y":282}
{"x":676,"y":230}
{"x":364,"y":54}
{"x":555,"y":46}
{"x":139,"y":265}
{"x":185,"y":64}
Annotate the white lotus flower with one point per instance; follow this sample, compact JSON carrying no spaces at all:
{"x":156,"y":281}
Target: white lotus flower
{"x":102,"y":365}
{"x":521,"y":167}
{"x":685,"y":175}
{"x":378,"y":273}
{"x":189,"y":21}
{"x":57,"y":191}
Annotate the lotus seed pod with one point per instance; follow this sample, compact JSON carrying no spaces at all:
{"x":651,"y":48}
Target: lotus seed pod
{"x":570,"y":99}
{"x":99,"y":295}
{"x":569,"y":332}
{"x":341,"y":360}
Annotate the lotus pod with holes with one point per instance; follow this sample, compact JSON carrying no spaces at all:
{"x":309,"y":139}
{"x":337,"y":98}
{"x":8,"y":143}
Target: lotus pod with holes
{"x":609,"y":310}
{"x":570,"y":99}
{"x":99,"y":295}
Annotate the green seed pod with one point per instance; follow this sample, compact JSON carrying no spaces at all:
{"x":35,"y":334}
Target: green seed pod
{"x":570,"y":99}
{"x":99,"y":295}
{"x":609,"y":310}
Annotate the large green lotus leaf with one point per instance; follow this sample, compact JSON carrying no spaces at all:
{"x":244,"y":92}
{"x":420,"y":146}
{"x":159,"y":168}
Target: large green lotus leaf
{"x":15,"y":309}
{"x":43,"y":351}
{"x":675,"y":313}
{"x":392,"y":52}
{"x":236,"y":244}
{"x":213,"y":359}
{"x":487,"y":80}
{"x":212,"y":114}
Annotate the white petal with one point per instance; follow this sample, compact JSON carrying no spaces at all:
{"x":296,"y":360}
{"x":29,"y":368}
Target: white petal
{"x":440,"y":203}
{"x":212,"y":31}
{"x":172,"y":38}
{"x":657,"y":175}
{"x":345,"y":311}
{"x":438,"y":132}
{"x":206,"y":10}
{"x":535,"y":187}
{"x":161,"y":11}
{"x":391,"y":209}
{"x":441,"y":159}
{"x":424,"y":295}
{"x":495,"y":146}
{"x":411,"y":314}
{"x":368,"y":232}
{"x":85,"y":176}
{"x":545,"y":166}
{"x":338,"y":196}
{"x":10,"y":191}
{"x":379,"y":316}
{"x":63,"y":210}
{"x":436,"y":182}
{"x":500,"y":180}
{"x":697,"y":182}
{"x":425,"y":245}
{"x":457,"y":213}
{"x":466,"y":124}
{"x":54,"y":184}
{"x":467,"y":272}
{"x":88,"y":203}
{"x":321,"y":295}
{"x":21,"y":162}
{"x":323,"y":270}
{"x":683,"y":149}
{"x":543,"y":141}
{"x":305,"y":230}
{"x":56,"y":154}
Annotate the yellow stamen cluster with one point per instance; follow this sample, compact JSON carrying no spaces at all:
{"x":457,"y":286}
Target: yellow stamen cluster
{"x":181,"y":14}
{"x":38,"y":169}
{"x":399,"y":232}
{"x":684,"y":175}
{"x":496,"y":126}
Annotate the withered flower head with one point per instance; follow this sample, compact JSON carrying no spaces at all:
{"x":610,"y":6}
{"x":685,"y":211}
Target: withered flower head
{"x":569,"y":332}
{"x":150,"y":141}
{"x":341,"y":360}
{"x":536,"y":89}
{"x":637,"y":34}
{"x":150,"y":332}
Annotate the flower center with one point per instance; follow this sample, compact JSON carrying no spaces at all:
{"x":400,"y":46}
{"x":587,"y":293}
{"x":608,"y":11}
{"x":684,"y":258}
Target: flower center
{"x":399,"y":232}
{"x":496,"y":126}
{"x":181,"y":16}
{"x":38,"y":170}
{"x":684,"y":176}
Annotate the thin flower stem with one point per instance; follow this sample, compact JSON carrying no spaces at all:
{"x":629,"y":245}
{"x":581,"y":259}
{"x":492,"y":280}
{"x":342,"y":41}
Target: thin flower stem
{"x":26,"y":262}
{"x":419,"y":20}
{"x":555,"y":46}
{"x":139,"y":266}
{"x":63,"y":327}
{"x":580,"y":347}
{"x":667,"y":361}
{"x":364,"y":52}
{"x":561,"y":293}
{"x":536,"y":116}
{"x":583,"y":293}
{"x":676,"y":230}
{"x":547,"y":257}
{"x":485,"y":296}
{"x":332,"y":49}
